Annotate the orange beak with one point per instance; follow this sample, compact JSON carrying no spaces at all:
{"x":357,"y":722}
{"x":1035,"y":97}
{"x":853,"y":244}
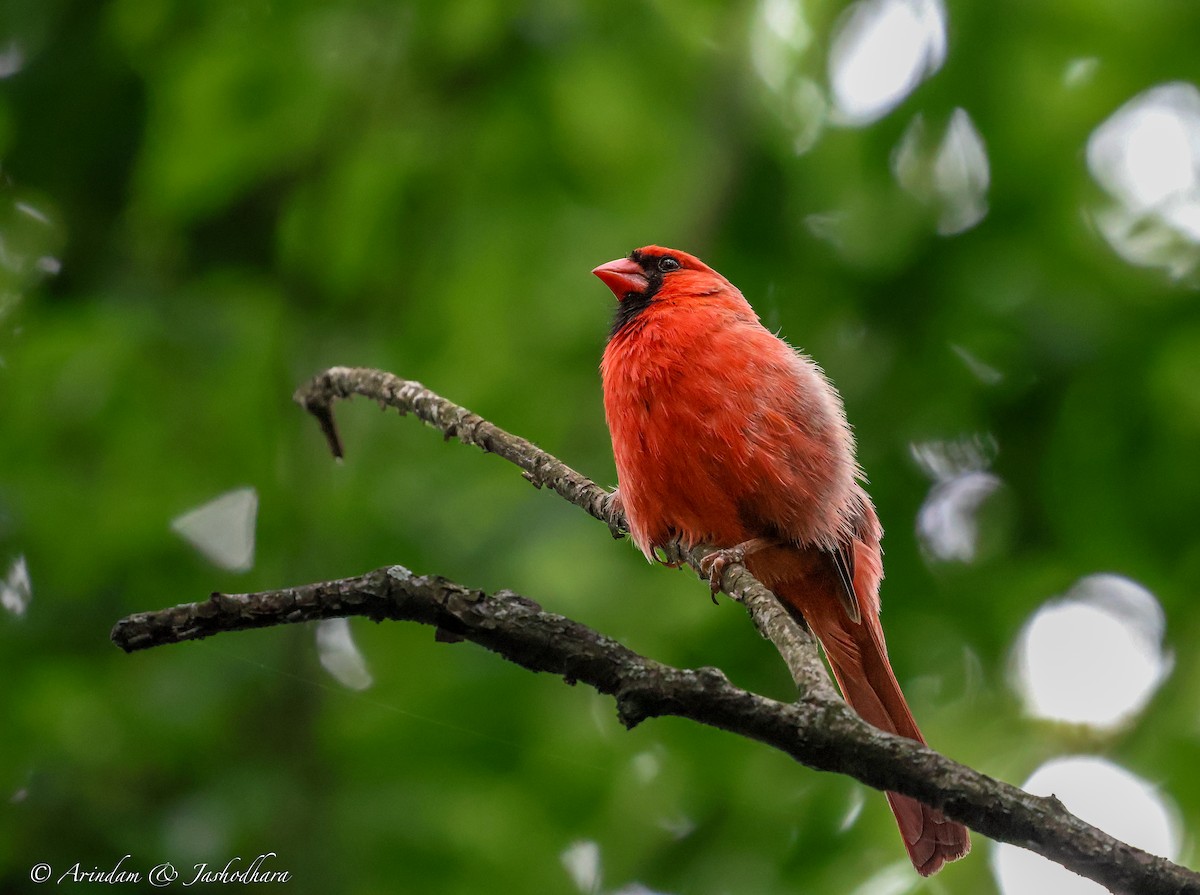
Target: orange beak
{"x":623,"y":276}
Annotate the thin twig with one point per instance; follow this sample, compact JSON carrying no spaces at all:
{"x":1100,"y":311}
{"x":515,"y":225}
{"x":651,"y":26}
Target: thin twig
{"x":794,"y":644}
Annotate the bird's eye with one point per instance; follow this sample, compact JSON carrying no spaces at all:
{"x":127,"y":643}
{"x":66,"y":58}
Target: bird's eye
{"x":667,"y":264}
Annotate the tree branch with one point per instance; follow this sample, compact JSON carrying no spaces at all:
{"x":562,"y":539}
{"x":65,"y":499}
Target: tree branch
{"x":795,"y":645}
{"x":819,"y":730}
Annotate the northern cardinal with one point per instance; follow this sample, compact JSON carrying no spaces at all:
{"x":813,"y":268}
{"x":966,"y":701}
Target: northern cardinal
{"x":725,"y":436}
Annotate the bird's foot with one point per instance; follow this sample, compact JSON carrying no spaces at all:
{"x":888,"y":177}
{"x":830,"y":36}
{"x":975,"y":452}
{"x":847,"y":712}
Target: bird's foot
{"x":671,"y":555}
{"x":614,"y":509}
{"x":714,"y":564}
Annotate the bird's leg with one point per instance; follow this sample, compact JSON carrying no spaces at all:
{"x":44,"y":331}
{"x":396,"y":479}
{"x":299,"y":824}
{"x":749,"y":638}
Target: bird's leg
{"x":714,"y":564}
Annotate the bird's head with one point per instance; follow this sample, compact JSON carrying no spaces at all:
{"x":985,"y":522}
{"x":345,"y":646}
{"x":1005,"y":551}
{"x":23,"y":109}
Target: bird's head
{"x":644,"y":272}
{"x":653,"y":271}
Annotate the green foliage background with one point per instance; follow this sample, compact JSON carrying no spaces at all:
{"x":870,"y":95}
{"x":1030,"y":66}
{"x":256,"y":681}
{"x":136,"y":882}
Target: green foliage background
{"x":243,"y":192}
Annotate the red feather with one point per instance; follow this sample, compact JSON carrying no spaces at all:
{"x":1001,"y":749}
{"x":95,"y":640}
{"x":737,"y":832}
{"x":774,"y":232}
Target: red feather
{"x":723,"y":434}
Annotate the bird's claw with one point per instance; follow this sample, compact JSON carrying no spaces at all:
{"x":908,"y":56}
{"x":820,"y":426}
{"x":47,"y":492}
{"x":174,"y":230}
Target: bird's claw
{"x":613,"y":512}
{"x":672,"y":555}
{"x":714,"y":565}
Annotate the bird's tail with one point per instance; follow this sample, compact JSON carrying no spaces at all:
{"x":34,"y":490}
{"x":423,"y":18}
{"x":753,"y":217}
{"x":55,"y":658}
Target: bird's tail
{"x":858,"y":656}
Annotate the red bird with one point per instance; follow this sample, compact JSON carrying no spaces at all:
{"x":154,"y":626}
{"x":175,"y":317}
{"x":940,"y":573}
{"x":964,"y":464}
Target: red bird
{"x":725,"y":436}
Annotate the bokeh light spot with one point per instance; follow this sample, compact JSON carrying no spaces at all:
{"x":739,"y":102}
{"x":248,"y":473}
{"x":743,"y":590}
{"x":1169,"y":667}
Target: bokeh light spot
{"x":340,"y":656}
{"x":30,"y":235}
{"x":947,"y":523}
{"x":1103,"y":794}
{"x":636,"y":888}
{"x":223,"y":529}
{"x":853,"y":809}
{"x":12,"y":59}
{"x":953,"y":176}
{"x":1080,"y":71}
{"x":582,"y":861}
{"x":985,"y":373}
{"x":780,"y":34}
{"x":679,"y":826}
{"x":778,"y":38}
{"x":1146,"y":155}
{"x":16,"y":589}
{"x":1095,"y":656}
{"x":646,"y":766}
{"x":882,"y":50}
{"x":894,"y":879}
